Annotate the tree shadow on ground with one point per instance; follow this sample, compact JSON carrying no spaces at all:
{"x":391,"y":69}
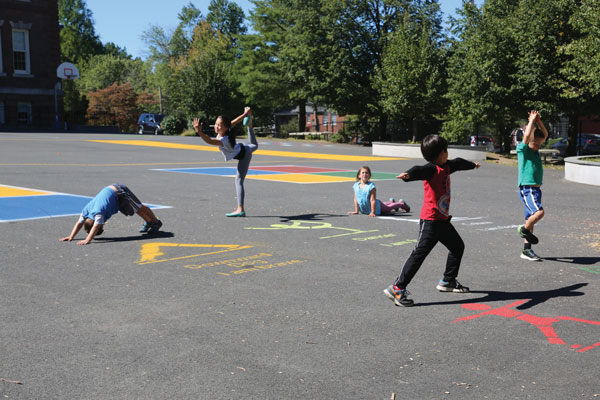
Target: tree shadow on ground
{"x":534,"y":297}
{"x":157,"y":235}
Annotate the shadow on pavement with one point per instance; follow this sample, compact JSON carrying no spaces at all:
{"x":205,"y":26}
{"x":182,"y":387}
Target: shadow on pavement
{"x":159,"y":234}
{"x":574,"y":260}
{"x":534,"y":297}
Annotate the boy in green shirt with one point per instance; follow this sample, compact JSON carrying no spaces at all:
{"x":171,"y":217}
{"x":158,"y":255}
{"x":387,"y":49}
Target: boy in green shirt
{"x":531,"y":175}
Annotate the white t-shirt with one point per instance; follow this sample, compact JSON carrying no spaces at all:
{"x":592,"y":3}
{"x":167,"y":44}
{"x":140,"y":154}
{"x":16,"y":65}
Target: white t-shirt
{"x":228,"y":152}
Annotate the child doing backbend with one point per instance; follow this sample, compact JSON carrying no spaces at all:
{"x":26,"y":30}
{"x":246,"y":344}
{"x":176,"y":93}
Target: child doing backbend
{"x":365,"y":199}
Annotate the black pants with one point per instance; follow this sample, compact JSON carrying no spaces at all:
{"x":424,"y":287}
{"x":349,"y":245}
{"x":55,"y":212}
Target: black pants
{"x":430,"y":233}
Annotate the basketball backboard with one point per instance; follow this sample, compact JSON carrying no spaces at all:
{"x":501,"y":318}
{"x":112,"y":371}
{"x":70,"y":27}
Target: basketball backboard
{"x":67,"y":71}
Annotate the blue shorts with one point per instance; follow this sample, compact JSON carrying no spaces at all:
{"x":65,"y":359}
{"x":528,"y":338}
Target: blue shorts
{"x":531,"y":196}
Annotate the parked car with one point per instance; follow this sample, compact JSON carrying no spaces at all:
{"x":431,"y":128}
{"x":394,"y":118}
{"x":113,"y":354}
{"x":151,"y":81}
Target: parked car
{"x":592,"y":145}
{"x":150,"y":123}
{"x":587,"y":143}
{"x":515,"y":137}
{"x":480,"y":140}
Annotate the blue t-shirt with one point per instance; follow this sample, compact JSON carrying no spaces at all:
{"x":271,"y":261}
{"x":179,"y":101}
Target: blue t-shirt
{"x":101,"y":207}
{"x":363,"y":198}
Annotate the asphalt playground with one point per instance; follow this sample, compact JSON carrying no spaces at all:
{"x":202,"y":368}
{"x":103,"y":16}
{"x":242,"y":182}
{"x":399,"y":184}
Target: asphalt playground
{"x":288,"y":302}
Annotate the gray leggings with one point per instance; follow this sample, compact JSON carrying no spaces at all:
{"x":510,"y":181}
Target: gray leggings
{"x":243,"y":165}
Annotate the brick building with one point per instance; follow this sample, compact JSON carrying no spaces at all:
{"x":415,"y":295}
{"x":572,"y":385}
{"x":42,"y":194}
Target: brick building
{"x":30,"y":98}
{"x":324,"y":120}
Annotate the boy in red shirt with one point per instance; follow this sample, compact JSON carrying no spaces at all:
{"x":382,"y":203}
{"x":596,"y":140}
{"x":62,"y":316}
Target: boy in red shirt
{"x":434,"y":225}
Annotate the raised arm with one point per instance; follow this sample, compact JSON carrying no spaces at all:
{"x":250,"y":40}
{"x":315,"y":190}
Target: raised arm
{"x":540,"y":125}
{"x":528,"y":134}
{"x":198,"y":128}
{"x":239,"y":119}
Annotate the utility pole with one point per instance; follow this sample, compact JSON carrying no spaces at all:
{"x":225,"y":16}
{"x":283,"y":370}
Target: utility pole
{"x":160,"y":99}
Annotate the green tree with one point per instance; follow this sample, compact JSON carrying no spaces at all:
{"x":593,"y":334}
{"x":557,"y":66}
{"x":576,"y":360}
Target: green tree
{"x":114,"y":50}
{"x":359,"y":32}
{"x":228,"y":18}
{"x":260,"y":78}
{"x":103,"y":70}
{"x":411,"y":79}
{"x":583,"y":65}
{"x":78,"y":39}
{"x":202,"y":83}
{"x":78,"y":43}
{"x":545,"y":28}
{"x":279,"y":54}
{"x":482,"y":89}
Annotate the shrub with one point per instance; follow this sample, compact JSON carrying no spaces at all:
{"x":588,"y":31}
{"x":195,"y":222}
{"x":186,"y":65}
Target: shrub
{"x":292,"y":126}
{"x":174,"y":124}
{"x":339,"y":137}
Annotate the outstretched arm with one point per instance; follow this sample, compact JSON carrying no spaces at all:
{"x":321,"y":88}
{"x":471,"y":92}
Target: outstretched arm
{"x":198,"y":128}
{"x":418,"y":173}
{"x":239,"y":119}
{"x":74,"y":231}
{"x":460,"y":164}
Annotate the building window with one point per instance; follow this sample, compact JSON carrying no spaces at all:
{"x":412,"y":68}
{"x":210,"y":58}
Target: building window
{"x":325,"y":119}
{"x":2,"y":113}
{"x":334,"y":120}
{"x":308,"y":119}
{"x":24,"y":113}
{"x":20,"y":41}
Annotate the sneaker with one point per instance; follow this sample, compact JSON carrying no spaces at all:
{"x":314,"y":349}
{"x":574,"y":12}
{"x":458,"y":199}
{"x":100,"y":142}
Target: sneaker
{"x":145,"y":228}
{"x":527,"y":235}
{"x":155,"y":226}
{"x":453,"y":286}
{"x":528,"y":254}
{"x":398,"y":296}
{"x":406,"y":206}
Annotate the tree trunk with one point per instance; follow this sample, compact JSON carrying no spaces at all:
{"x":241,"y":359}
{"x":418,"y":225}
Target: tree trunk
{"x":414,"y":130}
{"x":572,"y":136}
{"x":302,"y":116}
{"x":316,"y":117}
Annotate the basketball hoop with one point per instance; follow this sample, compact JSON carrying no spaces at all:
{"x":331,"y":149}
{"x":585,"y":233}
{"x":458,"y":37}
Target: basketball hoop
{"x":67,"y":71}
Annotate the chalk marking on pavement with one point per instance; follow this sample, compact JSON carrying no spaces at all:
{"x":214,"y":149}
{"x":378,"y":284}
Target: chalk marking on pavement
{"x":149,"y":252}
{"x":305,"y":225}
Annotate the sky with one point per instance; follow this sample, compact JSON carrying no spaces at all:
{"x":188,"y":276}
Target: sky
{"x":123,"y":21}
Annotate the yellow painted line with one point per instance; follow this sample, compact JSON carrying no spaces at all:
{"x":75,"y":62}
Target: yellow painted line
{"x":150,"y":143}
{"x":149,"y":252}
{"x":301,"y":178}
{"x":12,"y":191}
{"x":294,"y":154}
